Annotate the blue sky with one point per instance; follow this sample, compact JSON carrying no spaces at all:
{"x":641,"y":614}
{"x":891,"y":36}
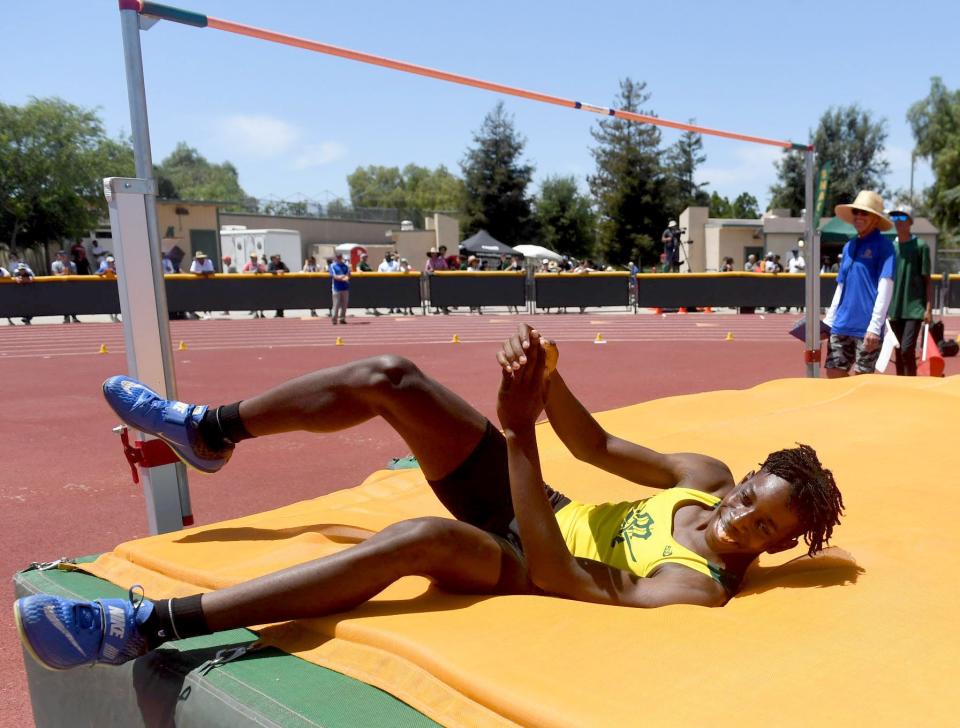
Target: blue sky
{"x":296,"y":123}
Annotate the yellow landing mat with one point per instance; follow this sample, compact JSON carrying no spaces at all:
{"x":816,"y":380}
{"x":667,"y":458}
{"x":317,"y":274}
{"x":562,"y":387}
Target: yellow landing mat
{"x":865,"y":634}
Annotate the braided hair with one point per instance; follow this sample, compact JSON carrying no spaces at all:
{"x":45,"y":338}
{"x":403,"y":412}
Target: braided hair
{"x":815,"y":497}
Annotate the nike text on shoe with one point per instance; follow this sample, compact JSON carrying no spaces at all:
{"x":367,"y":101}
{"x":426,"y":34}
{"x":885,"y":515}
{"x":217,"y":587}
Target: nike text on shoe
{"x":63,"y":633}
{"x":176,"y":423}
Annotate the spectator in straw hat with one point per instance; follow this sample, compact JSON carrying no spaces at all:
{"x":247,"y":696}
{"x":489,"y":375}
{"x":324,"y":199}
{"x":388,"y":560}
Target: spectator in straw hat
{"x":912,"y":291}
{"x":864,"y":289}
{"x":201,"y":265}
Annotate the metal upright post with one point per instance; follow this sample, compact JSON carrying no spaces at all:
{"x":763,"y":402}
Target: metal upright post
{"x":143,"y":299}
{"x":812,"y":298}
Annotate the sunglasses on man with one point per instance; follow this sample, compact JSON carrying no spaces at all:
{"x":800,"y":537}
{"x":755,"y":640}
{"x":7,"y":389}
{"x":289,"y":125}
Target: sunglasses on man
{"x":899,"y":217}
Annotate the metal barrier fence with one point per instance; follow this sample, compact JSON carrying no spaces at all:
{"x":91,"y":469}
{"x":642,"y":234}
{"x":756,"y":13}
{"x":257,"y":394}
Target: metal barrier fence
{"x":60,"y":295}
{"x":586,"y":289}
{"x":484,"y":288}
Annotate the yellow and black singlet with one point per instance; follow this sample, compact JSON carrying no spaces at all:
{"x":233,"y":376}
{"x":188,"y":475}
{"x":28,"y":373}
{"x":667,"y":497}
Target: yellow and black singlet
{"x":637,"y":536}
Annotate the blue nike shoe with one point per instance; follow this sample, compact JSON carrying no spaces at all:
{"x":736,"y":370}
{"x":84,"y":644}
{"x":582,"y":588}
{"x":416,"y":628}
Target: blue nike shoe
{"x":63,"y":633}
{"x":176,"y":423}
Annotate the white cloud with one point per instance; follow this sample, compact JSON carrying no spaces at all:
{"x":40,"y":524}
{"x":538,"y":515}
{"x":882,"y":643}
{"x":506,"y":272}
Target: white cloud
{"x":259,"y":136}
{"x":317,"y":155}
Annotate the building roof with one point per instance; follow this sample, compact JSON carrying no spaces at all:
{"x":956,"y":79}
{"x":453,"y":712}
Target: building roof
{"x":783,"y":225}
{"x":723,"y":222}
{"x":204,"y":203}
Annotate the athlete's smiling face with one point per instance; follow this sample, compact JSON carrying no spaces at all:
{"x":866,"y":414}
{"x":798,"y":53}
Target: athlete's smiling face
{"x":754,"y":517}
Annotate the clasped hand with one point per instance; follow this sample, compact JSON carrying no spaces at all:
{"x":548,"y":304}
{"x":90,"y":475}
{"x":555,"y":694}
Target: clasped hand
{"x":526,"y":362}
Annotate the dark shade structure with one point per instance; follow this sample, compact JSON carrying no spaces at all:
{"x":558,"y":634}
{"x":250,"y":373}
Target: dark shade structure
{"x":483,"y":243}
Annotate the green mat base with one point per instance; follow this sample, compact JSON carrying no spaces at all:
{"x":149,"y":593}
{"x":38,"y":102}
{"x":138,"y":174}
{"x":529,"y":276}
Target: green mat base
{"x":176,"y":686}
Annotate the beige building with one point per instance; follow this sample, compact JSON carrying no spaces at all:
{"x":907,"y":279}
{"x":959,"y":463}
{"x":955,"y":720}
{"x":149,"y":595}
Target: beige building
{"x":189,"y":226}
{"x":709,"y":240}
{"x":185,"y":225}
{"x":320,"y":236}
{"x":414,"y":244}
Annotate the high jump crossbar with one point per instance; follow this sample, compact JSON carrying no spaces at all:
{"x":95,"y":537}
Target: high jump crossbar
{"x":198,"y":20}
{"x":133,"y":218}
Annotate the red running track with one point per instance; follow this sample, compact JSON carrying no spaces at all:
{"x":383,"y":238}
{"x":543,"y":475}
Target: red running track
{"x":66,"y":489}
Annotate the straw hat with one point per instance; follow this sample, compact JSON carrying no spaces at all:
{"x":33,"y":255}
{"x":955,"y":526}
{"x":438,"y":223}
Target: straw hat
{"x":869,"y":202}
{"x":200,"y":254}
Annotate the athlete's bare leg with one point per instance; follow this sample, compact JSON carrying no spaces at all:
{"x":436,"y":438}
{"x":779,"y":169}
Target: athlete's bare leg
{"x":440,"y":428}
{"x":456,"y":556}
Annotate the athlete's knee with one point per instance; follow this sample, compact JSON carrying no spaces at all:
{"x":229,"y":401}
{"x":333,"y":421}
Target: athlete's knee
{"x":424,"y":542}
{"x":389,"y":373}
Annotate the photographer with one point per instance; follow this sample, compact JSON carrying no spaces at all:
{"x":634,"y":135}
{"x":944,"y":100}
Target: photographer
{"x":671,"y":247}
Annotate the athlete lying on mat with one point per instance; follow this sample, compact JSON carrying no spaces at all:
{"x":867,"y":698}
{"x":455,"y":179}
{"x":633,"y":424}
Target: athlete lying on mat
{"x":690,"y":544}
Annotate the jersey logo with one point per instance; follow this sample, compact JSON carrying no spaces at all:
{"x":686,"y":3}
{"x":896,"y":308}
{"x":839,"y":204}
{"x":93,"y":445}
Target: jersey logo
{"x":668,"y":550}
{"x":868,"y":253}
{"x":637,"y":525}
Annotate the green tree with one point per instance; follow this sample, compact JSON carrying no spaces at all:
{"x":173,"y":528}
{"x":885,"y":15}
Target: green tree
{"x":339,"y":208}
{"x":414,"y":191}
{"x":433,"y":190}
{"x":565,"y":217}
{"x":377,"y":186}
{"x":720,"y":206}
{"x":683,"y":157}
{"x":187,"y":175}
{"x":935,"y":121}
{"x":53,"y":157}
{"x":628,"y":185}
{"x":745,"y":207}
{"x":853,"y":141}
{"x":496,"y":181}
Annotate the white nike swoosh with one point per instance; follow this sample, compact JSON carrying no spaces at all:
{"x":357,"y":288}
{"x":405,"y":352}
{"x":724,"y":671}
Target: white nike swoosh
{"x":62,"y":628}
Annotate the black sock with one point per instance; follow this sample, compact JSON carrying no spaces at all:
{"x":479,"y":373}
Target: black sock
{"x":222,"y":427}
{"x":174,"y":619}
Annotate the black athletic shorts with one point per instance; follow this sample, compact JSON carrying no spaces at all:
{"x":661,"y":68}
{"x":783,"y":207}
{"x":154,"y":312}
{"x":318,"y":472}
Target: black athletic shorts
{"x":478,"y":491}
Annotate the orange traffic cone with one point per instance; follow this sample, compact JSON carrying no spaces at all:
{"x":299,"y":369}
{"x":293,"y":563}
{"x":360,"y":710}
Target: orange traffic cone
{"x":658,"y":310}
{"x":708,"y":309}
{"x":682,"y":309}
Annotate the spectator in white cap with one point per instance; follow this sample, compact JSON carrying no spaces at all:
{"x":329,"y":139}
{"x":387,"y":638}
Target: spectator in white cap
{"x":864,"y":289}
{"x":912,"y":302}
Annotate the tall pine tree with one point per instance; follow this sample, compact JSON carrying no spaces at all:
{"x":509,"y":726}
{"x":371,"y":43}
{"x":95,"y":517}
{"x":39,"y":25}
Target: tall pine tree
{"x":629,"y":182}
{"x":495,"y":180}
{"x":853,"y":141}
{"x":683,"y":158}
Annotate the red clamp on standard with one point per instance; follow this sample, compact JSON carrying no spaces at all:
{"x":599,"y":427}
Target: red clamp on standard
{"x":811,"y":356}
{"x":145,"y":453}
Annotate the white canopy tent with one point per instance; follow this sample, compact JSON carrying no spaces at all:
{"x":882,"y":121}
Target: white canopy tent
{"x":538,"y":252}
